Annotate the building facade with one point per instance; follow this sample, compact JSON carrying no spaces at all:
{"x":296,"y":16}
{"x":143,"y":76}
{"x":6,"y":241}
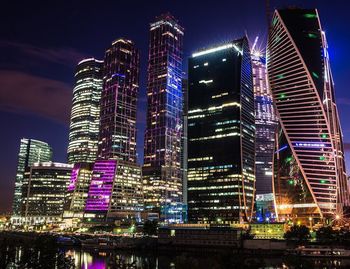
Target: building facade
{"x":43,"y":191}
{"x":78,"y":188}
{"x":309,"y":171}
{"x":85,"y":116}
{"x":162,"y":154}
{"x":30,"y":151}
{"x":115,"y":191}
{"x":221,"y":130}
{"x":117,"y":137}
{"x":266,"y":126}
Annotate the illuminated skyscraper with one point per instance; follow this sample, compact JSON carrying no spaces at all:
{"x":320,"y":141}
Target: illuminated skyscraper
{"x":221,"y":130}
{"x":117,"y":139}
{"x":43,"y":194}
{"x":309,"y":173}
{"x":85,"y":116}
{"x":30,"y":151}
{"x":162,"y":154}
{"x":265,"y":124}
{"x":115,"y":190}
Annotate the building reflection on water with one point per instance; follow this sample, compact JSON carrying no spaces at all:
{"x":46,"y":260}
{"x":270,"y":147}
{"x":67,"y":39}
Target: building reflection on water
{"x":170,"y":260}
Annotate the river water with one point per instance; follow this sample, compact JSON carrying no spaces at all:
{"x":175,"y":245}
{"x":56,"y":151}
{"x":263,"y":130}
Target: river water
{"x":183,"y":260}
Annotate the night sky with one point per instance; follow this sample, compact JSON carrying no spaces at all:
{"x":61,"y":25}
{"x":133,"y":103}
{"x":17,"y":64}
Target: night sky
{"x":41,"y":43}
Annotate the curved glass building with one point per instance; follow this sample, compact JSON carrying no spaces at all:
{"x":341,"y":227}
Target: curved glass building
{"x":85,"y":116}
{"x":309,"y":180}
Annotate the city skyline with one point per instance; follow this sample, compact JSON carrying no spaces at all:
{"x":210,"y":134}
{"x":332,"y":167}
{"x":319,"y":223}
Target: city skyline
{"x":56,"y":138}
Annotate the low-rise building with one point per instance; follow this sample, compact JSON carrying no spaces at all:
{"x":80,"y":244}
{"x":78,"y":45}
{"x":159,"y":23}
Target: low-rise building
{"x":202,"y":235}
{"x":268,"y":230}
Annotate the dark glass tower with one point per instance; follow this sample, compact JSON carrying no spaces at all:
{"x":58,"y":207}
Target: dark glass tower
{"x":85,"y":116}
{"x":310,"y":184}
{"x":162,"y":155}
{"x":117,"y":138}
{"x":30,"y":151}
{"x":221,"y":130}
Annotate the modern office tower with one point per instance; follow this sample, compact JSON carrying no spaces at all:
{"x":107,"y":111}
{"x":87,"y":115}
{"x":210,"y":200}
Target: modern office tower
{"x":162,"y":154}
{"x":30,"y":151}
{"x":44,"y":188}
{"x":265,"y":124}
{"x":221,"y":130}
{"x":78,"y":189}
{"x":115,"y":191}
{"x":117,"y":139}
{"x":85,"y":116}
{"x":309,"y":176}
{"x":184,"y":143}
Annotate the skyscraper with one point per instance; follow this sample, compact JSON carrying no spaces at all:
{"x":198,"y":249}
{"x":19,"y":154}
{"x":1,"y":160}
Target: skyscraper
{"x":115,"y":190}
{"x":84,"y":130}
{"x":221,"y":130}
{"x":44,"y":188}
{"x":265,"y":124}
{"x":117,"y":138}
{"x":162,"y":155}
{"x":85,"y":116}
{"x":309,"y":176}
{"x":30,"y":151}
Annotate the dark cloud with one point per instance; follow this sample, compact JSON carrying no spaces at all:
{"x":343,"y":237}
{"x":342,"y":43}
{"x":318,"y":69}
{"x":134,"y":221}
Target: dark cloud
{"x":65,"y":56}
{"x":26,"y":93}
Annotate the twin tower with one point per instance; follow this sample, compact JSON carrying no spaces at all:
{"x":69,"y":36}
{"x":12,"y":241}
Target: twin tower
{"x":106,"y":180}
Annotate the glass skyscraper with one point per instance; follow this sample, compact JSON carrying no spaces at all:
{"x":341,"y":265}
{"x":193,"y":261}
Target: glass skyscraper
{"x":162,"y":154}
{"x":85,"y":116}
{"x":30,"y":151}
{"x":221,"y":131}
{"x":115,"y":190}
{"x":266,"y":125}
{"x":44,"y":188}
{"x":84,"y":130}
{"x":309,"y":172}
{"x":117,"y":137}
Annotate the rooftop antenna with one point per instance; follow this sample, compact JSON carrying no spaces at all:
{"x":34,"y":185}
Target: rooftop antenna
{"x":255,"y":41}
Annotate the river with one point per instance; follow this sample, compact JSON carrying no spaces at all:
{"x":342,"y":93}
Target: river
{"x":168,"y":260}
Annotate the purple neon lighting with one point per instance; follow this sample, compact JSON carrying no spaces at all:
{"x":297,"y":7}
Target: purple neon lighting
{"x":74,"y":177}
{"x":101,"y":185}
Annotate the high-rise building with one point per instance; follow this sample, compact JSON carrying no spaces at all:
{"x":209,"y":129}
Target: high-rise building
{"x":221,"y":130}
{"x":162,"y":154}
{"x":30,"y":151}
{"x":117,"y":138}
{"x":184,"y":143}
{"x":85,"y":116}
{"x":265,"y":124}
{"x":115,"y":190}
{"x":309,"y":173}
{"x":43,"y":194}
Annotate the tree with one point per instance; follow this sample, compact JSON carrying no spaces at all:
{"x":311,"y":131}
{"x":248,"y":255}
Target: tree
{"x":326,"y":234}
{"x":298,"y":232}
{"x":150,"y":227}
